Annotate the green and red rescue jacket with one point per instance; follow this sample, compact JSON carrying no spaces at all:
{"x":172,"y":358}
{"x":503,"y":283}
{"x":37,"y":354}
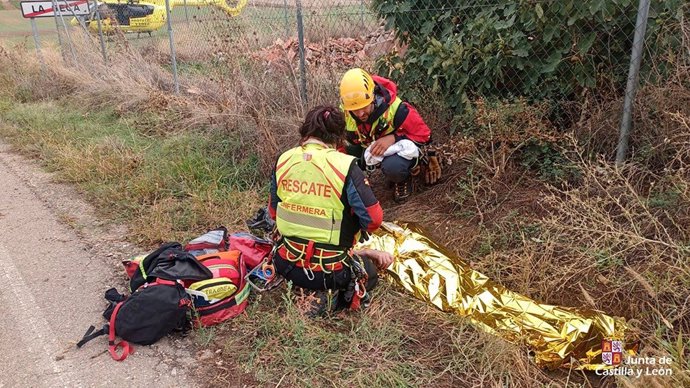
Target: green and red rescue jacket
{"x":391,"y":115}
{"x":319,"y":194}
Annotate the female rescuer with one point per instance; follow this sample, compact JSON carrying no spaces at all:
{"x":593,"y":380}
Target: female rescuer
{"x":321,"y":202}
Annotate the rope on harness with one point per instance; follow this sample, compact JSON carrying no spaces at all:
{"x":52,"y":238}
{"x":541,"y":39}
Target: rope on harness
{"x":359,"y":277}
{"x":315,"y":259}
{"x":307,"y":261}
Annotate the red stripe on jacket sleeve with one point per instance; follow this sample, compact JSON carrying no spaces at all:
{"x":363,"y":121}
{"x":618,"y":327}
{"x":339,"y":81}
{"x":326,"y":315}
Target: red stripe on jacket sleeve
{"x":414,"y":127}
{"x":376,"y":213}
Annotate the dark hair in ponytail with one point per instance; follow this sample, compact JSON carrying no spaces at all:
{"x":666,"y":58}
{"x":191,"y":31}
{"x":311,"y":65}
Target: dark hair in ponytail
{"x":324,"y":122}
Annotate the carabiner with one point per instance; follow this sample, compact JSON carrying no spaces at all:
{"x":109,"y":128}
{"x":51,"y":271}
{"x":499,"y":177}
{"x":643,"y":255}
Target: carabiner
{"x":309,"y":273}
{"x":360,"y":289}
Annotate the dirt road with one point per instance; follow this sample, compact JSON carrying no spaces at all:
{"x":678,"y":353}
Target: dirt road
{"x":56,"y":261}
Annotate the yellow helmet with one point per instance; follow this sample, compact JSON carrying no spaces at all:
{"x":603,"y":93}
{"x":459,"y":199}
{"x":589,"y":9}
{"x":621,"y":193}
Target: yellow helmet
{"x":356,"y":89}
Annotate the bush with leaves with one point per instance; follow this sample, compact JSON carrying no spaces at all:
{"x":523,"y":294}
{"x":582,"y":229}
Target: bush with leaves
{"x":538,"y":49}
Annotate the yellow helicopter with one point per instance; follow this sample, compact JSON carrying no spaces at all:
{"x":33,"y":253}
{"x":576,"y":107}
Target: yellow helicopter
{"x":143,"y":15}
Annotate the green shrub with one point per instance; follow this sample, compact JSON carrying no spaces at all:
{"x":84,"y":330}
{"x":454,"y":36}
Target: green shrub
{"x":548,"y":161}
{"x":502,"y":48}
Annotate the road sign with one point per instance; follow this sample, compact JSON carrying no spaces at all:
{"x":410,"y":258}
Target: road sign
{"x":44,"y":9}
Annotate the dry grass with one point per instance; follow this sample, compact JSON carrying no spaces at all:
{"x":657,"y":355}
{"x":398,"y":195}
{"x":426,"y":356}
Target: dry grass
{"x":542,"y":214}
{"x":612,"y":238}
{"x":398,"y":342}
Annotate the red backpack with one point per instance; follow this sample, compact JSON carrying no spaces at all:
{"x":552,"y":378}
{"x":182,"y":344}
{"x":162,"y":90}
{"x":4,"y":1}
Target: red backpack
{"x":254,"y":249}
{"x":225,"y":295}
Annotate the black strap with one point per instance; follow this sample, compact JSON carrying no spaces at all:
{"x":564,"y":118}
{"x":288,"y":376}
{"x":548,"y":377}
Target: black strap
{"x":290,"y":266}
{"x":90,"y":334}
{"x":113,"y":296}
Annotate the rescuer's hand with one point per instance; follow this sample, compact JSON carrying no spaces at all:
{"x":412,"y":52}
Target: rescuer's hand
{"x":381,"y":145}
{"x":381,"y":259}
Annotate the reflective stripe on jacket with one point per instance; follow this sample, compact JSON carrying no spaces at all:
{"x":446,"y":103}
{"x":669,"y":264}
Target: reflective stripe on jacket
{"x":382,"y":126}
{"x":310,"y":182}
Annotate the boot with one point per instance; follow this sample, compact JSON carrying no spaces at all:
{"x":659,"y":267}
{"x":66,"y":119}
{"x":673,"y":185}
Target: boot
{"x":402,"y":190}
{"x":325,"y":304}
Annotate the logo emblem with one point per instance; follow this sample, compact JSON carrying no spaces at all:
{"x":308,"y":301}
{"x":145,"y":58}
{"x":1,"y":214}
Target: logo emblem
{"x":611,"y":352}
{"x":306,"y":157}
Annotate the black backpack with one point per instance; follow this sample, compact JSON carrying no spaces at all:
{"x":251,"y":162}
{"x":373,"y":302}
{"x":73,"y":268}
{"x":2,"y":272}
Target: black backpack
{"x":158,"y":304}
{"x":149,"y":314}
{"x":168,"y":262}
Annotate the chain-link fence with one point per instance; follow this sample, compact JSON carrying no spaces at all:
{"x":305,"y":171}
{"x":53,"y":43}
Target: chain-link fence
{"x":544,"y":49}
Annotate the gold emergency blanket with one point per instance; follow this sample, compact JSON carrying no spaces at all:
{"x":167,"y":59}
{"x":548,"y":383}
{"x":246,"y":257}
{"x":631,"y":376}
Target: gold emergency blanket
{"x":557,"y":336}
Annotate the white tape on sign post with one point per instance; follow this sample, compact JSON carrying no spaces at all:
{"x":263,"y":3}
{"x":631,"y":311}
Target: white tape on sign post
{"x":44,"y":9}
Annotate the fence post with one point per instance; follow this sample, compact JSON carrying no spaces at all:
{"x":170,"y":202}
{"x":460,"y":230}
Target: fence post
{"x":361,"y":10}
{"x":172,"y":47}
{"x":86,"y":35}
{"x":69,"y":38}
{"x":37,"y":43}
{"x":633,"y":73}
{"x":302,"y":64}
{"x":57,"y":28}
{"x":186,"y":15}
{"x":100,"y":30}
{"x":285,"y":15}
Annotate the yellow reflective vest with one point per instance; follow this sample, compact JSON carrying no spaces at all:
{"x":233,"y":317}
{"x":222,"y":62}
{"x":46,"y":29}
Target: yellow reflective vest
{"x":382,"y":126}
{"x":311,"y":180}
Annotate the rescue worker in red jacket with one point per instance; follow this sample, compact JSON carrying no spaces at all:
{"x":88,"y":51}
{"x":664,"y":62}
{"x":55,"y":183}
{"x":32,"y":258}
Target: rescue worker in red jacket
{"x":376,"y":116}
{"x":321,"y":202}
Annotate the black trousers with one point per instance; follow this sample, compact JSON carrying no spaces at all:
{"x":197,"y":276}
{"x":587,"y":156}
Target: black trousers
{"x":336,"y":280}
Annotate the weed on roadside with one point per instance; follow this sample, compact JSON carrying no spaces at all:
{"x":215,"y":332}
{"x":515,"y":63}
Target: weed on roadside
{"x":169,"y":188}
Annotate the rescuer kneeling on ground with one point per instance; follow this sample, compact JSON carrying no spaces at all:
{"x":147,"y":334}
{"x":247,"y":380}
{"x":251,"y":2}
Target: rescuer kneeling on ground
{"x":322,"y":202}
{"x":383,"y":130}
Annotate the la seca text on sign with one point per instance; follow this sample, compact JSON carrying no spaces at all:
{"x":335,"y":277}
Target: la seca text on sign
{"x":43,"y":9}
